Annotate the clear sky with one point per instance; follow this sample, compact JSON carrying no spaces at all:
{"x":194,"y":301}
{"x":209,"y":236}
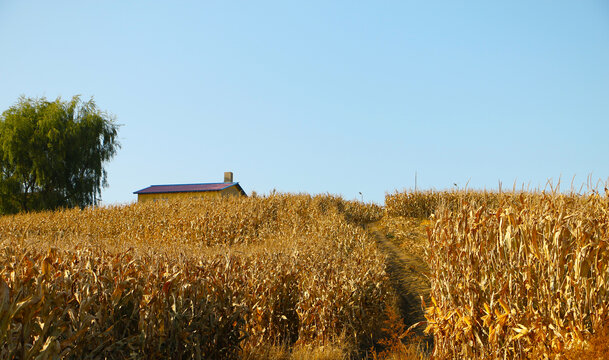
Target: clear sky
{"x":326,"y":96}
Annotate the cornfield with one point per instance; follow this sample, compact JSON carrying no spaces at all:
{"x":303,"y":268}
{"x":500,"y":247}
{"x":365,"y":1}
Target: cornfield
{"x":513,"y":275}
{"x":518,"y":276}
{"x":189,"y":280}
{"x":422,"y":204}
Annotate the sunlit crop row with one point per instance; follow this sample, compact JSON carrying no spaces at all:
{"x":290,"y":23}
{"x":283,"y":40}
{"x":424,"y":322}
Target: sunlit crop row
{"x":522,"y":274}
{"x":193,"y":279}
{"x":421,"y":204}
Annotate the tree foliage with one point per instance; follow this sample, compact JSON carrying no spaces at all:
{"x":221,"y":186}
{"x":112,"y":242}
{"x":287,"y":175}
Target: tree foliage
{"x":52,"y":154}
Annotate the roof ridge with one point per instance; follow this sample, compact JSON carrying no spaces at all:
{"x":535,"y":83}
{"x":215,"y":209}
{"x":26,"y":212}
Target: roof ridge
{"x":211,"y":183}
{"x":185,"y":187}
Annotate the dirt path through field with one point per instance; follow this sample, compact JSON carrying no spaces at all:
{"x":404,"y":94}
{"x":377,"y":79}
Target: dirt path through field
{"x":407,"y":275}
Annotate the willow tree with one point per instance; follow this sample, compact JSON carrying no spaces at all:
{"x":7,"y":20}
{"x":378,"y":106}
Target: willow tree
{"x":52,"y":154}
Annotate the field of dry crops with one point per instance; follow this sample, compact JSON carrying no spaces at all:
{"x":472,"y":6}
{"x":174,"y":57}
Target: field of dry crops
{"x":182,"y":280}
{"x":519,"y":275}
{"x":512,"y":275}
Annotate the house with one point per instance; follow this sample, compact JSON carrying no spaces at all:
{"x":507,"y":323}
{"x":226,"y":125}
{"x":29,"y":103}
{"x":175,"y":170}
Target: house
{"x":189,"y":191}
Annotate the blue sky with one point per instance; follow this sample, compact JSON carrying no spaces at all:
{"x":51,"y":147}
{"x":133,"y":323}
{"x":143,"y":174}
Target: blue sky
{"x":318,"y":96}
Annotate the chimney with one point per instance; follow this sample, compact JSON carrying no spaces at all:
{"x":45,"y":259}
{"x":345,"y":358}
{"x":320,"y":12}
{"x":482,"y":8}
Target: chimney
{"x":228,"y":177}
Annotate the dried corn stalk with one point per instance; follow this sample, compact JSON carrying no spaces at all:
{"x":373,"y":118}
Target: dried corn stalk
{"x":529,"y":276}
{"x":193,"y":279}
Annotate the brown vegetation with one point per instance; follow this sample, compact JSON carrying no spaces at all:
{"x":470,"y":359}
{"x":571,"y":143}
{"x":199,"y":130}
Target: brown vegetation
{"x":198,"y":279}
{"x":515,"y":275}
{"x":422,"y":204}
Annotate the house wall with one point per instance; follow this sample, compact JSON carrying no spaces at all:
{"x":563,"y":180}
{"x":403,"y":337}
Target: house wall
{"x":231,"y":191}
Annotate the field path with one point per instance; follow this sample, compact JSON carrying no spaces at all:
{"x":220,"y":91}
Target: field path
{"x":407,"y":274}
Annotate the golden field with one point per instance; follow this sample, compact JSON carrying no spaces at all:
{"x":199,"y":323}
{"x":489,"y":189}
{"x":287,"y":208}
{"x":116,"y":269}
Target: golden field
{"x":505,"y":275}
{"x":193,"y":279}
{"x":515,"y":275}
